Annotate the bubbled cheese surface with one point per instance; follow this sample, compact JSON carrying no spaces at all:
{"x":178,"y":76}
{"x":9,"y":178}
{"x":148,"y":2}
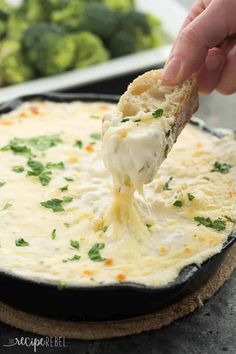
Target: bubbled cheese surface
{"x":156,"y":240}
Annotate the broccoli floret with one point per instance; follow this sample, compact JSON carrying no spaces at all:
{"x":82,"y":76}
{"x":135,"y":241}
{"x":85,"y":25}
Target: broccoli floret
{"x":70,"y":16}
{"x":89,"y":49}
{"x":48,"y":48}
{"x":99,"y":20}
{"x":122,"y":43}
{"x":33,"y":10}
{"x":138,"y":31}
{"x":120,"y":5}
{"x":5,"y":9}
{"x":13,"y":68}
{"x":16,"y":26}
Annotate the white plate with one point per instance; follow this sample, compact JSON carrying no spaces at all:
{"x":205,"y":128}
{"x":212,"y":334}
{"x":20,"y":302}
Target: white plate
{"x":172,"y":15}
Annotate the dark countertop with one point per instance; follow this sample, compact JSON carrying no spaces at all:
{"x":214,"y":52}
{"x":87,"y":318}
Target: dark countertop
{"x":209,"y":330}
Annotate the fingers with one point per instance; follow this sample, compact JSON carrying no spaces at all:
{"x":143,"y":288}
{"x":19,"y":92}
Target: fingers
{"x":206,"y":31}
{"x":210,"y":73}
{"x":227,"y":83}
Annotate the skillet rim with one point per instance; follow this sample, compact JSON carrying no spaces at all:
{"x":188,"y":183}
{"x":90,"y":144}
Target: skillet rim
{"x":185,"y":275}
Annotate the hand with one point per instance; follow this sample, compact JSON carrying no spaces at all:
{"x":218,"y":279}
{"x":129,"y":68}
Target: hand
{"x":206,"y":45}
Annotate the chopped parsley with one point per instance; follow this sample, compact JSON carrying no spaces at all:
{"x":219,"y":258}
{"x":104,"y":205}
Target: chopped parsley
{"x":74,"y":258}
{"x":221,"y":167}
{"x":57,"y":165}
{"x":74,"y":244}
{"x":148,"y":226}
{"x":53,"y":234}
{"x":64,"y":189}
{"x":166,"y":150}
{"x":39,"y":170}
{"x":6,"y":206}
{"x":18,"y":146}
{"x":166,"y":186}
{"x":168,"y":133}
{"x":23,"y":146}
{"x":93,"y":116}
{"x":190,"y":197}
{"x":67,"y":199}
{"x":96,"y":136}
{"x":104,"y":228}
{"x":21,"y":243}
{"x":178,"y":203}
{"x":61,"y":286}
{"x":217,"y":224}
{"x":137,"y":120}
{"x":79,"y":144}
{"x":18,"y":169}
{"x":94,"y":252}
{"x":36,"y":167}
{"x":124,"y":120}
{"x":2,"y":183}
{"x":54,"y":204}
{"x":158,"y":113}
{"x":44,"y":142}
{"x":69,"y":179}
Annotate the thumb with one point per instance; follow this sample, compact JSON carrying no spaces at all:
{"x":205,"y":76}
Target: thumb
{"x":206,"y":31}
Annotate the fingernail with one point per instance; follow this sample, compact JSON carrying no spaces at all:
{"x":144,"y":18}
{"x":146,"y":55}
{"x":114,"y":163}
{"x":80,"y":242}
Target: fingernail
{"x":214,"y":62}
{"x":171,"y":71}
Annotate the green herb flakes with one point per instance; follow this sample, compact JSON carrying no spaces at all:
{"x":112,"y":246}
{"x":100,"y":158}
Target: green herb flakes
{"x":64,"y":189}
{"x":166,"y":186}
{"x":44,"y":142}
{"x":217,"y":224}
{"x":67,"y":199}
{"x":94,"y":252}
{"x":18,"y":169}
{"x":18,"y":146}
{"x":79,"y":144}
{"x":61,"y":286}
{"x":221,"y":167}
{"x":74,"y":244}
{"x":57,"y":165}
{"x":2,"y":183}
{"x":66,"y":224}
{"x":190,"y":197}
{"x":104,"y":228}
{"x":96,"y":136}
{"x":168,"y":133}
{"x":6,"y":206}
{"x":124,"y":120}
{"x":158,"y":113}
{"x":21,"y":243}
{"x":53,"y":234}
{"x":166,"y":151}
{"x":148,"y":226}
{"x":178,"y":203}
{"x":54,"y":204}
{"x":93,"y":116}
{"x":69,"y":179}
{"x":74,"y":258}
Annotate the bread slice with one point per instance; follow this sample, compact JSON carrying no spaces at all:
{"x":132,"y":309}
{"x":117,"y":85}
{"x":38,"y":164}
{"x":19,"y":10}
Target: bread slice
{"x":147,"y":93}
{"x":148,"y":120}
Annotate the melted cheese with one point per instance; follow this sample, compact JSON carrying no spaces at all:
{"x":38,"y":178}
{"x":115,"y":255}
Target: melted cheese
{"x":157,"y":238}
{"x":135,"y":147}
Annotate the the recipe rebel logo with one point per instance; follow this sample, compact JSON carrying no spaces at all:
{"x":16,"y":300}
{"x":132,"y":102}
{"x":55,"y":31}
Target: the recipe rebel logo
{"x":35,"y":343}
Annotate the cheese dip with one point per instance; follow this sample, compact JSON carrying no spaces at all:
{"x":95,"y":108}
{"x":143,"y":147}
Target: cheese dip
{"x":56,"y":198}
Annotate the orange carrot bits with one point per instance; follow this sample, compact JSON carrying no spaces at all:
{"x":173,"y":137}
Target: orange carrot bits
{"x":121,"y":277}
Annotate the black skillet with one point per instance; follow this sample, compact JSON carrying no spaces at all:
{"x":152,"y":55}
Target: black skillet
{"x":100,"y":302}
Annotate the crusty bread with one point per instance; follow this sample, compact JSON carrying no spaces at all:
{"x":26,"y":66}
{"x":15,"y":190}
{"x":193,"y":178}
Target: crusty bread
{"x":147,"y":93}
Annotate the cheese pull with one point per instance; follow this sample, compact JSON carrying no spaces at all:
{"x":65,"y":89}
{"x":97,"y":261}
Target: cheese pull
{"x":138,"y":136}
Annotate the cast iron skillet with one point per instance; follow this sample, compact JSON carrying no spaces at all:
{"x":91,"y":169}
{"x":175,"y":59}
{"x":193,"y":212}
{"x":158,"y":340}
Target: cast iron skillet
{"x":100,"y":302}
